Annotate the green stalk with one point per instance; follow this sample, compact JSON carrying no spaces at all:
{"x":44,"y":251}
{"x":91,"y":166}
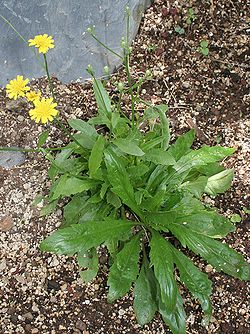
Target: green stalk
{"x":13,"y":149}
{"x":106,"y":47}
{"x":51,"y":87}
{"x":22,"y":38}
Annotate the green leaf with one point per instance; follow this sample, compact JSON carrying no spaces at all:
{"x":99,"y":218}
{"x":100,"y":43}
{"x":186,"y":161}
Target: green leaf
{"x":235,"y":218}
{"x":202,"y":157}
{"x":207,"y":223}
{"x":219,"y":255}
{"x":42,"y":138}
{"x":162,"y":109}
{"x":144,"y":296}
{"x":113,"y":199}
{"x":90,"y":262}
{"x":102,"y":98}
{"x":71,"y":185}
{"x":176,"y":320}
{"x":119,"y":179}
{"x":219,"y":183}
{"x":196,"y":187}
{"x":159,"y":157}
{"x":196,"y":281}
{"x":128,"y":146}
{"x":162,"y":261}
{"x":73,"y":210}
{"x":182,"y":145}
{"x":96,"y":154}
{"x":82,"y":237}
{"x":124,"y":269}
{"x":84,"y":127}
{"x":48,"y":208}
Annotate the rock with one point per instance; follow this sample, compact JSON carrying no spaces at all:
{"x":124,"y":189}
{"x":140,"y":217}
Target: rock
{"x":3,"y":264}
{"x":208,"y":268}
{"x":9,"y":159}
{"x":80,"y":325}
{"x":67,"y":22}
{"x":7,"y":222}
{"x":16,"y":105}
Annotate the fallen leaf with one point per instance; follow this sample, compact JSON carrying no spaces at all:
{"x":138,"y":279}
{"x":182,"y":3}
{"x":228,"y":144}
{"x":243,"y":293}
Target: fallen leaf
{"x":6,"y":224}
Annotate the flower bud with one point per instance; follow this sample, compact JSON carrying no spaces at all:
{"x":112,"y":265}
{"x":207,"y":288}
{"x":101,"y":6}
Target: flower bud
{"x":120,"y":86}
{"x":148,"y":74}
{"x":106,"y":70}
{"x":90,"y":30}
{"x":90,"y":69}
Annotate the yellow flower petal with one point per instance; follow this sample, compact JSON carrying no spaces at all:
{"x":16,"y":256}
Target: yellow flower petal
{"x":17,"y":87}
{"x":44,"y":110}
{"x":42,"y":42}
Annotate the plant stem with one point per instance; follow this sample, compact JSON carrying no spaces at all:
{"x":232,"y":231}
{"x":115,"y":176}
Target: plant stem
{"x":51,"y":87}
{"x":13,"y":149}
{"x":106,"y":47}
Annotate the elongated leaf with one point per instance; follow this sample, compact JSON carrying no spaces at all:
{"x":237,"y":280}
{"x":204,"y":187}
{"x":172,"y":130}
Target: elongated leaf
{"x":124,"y":269}
{"x":71,"y":185}
{"x":196,"y":281}
{"x":219,"y":183}
{"x":95,"y":158}
{"x":82,"y":237}
{"x":176,"y":320}
{"x":144,"y":297}
{"x":160,"y":220}
{"x":72,"y":211}
{"x":161,"y":259}
{"x":113,"y":199}
{"x":196,"y":187}
{"x":207,"y":223}
{"x":48,"y":208}
{"x":128,"y":146}
{"x":42,"y":138}
{"x":89,"y":261}
{"x":102,"y":97}
{"x":182,"y":145}
{"x":119,"y":180}
{"x":159,"y":156}
{"x":84,"y":127}
{"x":202,"y":157}
{"x":162,"y":109}
{"x":219,"y":255}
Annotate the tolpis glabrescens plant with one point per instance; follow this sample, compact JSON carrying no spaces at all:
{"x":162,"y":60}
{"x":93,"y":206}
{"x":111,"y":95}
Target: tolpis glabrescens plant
{"x":138,"y":195}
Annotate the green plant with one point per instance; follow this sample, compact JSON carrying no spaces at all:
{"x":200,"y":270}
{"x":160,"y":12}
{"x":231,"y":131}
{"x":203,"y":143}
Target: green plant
{"x":141,"y":197}
{"x":190,"y":16}
{"x":179,"y":30}
{"x":151,"y":48}
{"x":203,"y":48}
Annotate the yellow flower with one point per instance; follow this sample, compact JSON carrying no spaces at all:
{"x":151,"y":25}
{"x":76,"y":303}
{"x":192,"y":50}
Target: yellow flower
{"x":32,"y":95}
{"x":44,"y":110}
{"x":17,"y":87}
{"x":42,"y":42}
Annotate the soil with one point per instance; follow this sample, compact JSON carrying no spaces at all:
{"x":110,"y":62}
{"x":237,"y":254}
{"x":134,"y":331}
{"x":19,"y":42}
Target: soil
{"x":42,"y":293}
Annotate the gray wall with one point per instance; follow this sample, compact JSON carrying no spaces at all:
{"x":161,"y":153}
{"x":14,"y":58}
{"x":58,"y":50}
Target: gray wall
{"x":66,"y":21}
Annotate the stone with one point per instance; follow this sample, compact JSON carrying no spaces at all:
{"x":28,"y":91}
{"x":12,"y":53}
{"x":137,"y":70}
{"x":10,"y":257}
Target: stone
{"x":6,"y":224}
{"x":9,"y":159}
{"x":67,"y":22}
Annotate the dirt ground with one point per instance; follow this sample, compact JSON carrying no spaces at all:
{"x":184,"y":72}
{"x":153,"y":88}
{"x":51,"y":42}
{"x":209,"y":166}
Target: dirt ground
{"x":42,"y":293}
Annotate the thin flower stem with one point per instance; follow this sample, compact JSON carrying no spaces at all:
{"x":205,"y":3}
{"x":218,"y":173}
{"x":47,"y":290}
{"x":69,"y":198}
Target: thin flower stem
{"x":22,"y":38}
{"x":13,"y":149}
{"x":51,"y":87}
{"x":106,"y":47}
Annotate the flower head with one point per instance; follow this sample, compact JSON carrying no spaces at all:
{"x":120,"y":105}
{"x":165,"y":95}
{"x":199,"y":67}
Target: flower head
{"x":44,"y":110}
{"x":33,"y":95}
{"x":42,"y":42}
{"x":17,"y":87}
